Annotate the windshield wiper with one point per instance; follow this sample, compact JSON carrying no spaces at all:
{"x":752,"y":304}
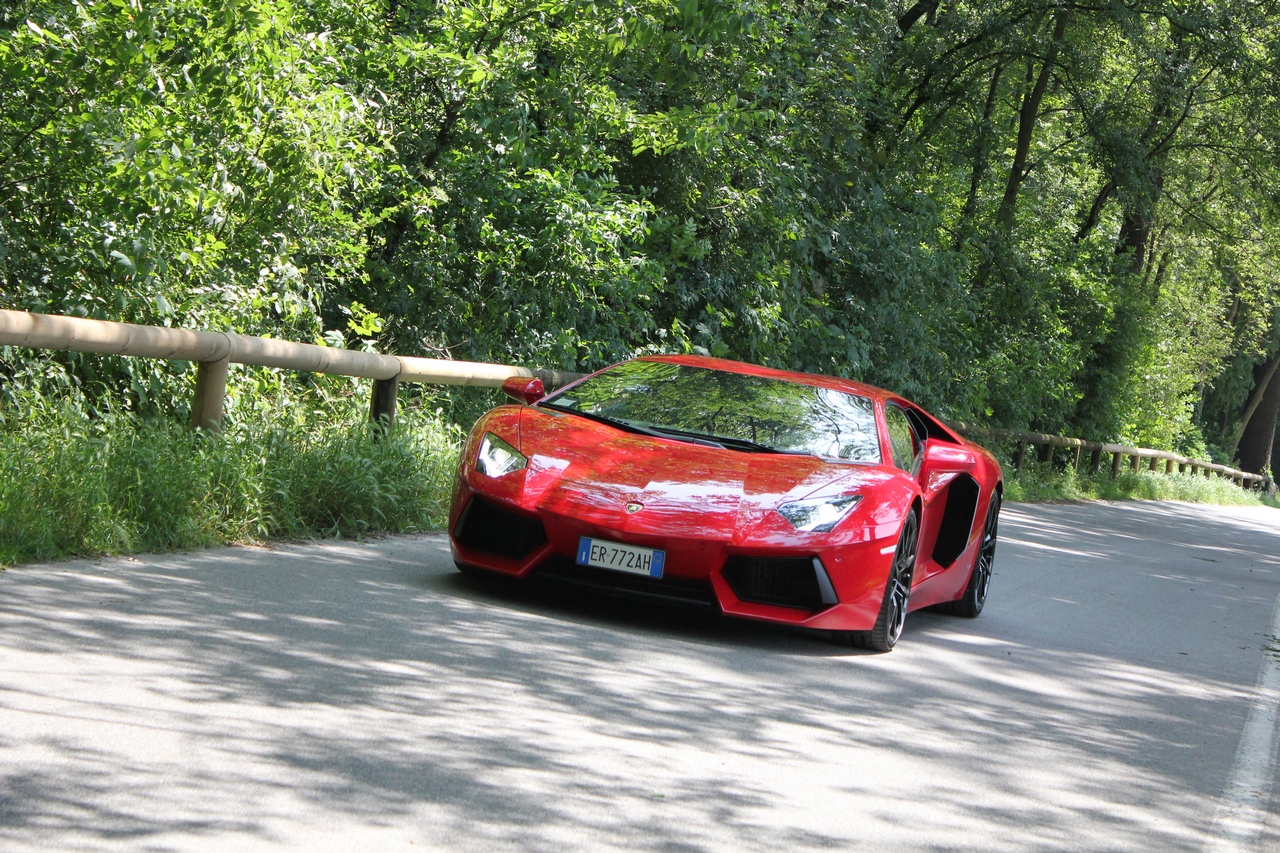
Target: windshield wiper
{"x":730,"y":442}
{"x":604,"y":419}
{"x":628,"y":426}
{"x":724,"y":442}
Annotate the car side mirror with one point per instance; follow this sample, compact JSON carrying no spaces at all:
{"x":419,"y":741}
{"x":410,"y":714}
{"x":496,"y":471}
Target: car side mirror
{"x":524,"y":389}
{"x":943,"y":458}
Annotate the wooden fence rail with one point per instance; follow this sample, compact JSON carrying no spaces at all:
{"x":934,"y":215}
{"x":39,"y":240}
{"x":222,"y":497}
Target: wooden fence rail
{"x":1048,"y":445}
{"x":214,"y":351}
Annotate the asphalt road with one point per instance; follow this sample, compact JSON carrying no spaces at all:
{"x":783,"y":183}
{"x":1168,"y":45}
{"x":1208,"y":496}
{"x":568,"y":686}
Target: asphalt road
{"x":1120,"y":693}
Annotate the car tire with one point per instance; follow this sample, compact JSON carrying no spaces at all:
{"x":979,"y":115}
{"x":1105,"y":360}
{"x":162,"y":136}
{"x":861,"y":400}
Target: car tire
{"x":897,"y":592}
{"x":975,"y":593}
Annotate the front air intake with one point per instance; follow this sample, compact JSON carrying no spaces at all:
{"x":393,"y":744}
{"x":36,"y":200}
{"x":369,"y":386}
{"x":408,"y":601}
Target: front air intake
{"x":671,"y":590}
{"x":492,"y":530}
{"x":783,"y":582}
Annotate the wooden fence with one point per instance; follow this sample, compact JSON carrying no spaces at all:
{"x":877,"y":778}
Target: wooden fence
{"x":1154,"y":460}
{"x":214,"y":351}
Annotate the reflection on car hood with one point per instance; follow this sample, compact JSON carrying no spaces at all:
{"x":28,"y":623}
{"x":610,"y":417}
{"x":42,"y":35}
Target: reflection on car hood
{"x":591,"y":471}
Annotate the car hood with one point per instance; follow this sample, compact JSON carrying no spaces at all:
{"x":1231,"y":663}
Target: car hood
{"x":591,"y":471}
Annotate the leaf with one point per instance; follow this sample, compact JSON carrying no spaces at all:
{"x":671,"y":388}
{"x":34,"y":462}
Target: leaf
{"x":124,"y":260}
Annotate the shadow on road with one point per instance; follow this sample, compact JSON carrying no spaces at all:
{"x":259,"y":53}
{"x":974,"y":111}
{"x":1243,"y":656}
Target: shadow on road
{"x":266,"y":694}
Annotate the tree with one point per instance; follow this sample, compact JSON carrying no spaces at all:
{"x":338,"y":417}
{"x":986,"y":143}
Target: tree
{"x":1257,"y":436}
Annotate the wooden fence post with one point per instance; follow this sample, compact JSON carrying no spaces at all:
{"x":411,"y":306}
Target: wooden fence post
{"x":1095,"y":460}
{"x":1046,"y":453}
{"x":1152,"y":466}
{"x":382,"y":404}
{"x":1075,"y":459}
{"x":1018,"y":456}
{"x":211,"y":392}
{"x":1117,"y":459}
{"x":1133,"y":463}
{"x":1168,"y":466}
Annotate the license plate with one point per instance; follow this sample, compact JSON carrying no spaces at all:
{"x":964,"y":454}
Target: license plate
{"x":620,"y":558}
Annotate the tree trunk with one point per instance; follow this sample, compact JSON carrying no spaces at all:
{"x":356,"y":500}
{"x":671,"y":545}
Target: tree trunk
{"x":981,"y":157}
{"x":1095,"y":211}
{"x":1275,"y":453}
{"x":1257,"y":440}
{"x":1135,"y":232}
{"x":922,"y":9}
{"x":1028,"y":113}
{"x":1027,"y":116}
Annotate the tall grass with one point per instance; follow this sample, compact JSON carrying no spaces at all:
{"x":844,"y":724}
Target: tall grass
{"x":74,"y":485}
{"x":1038,"y":483}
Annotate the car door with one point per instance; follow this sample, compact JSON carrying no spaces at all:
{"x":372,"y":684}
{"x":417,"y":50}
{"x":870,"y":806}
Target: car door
{"x":907,"y":445}
{"x":907,"y":439}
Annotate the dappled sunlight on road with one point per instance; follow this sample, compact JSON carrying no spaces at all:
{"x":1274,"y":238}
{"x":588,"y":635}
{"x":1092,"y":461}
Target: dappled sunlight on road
{"x":323,"y":693}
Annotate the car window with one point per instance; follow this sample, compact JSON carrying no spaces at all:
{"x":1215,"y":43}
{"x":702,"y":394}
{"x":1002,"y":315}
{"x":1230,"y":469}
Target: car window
{"x":739,"y":408}
{"x":902,"y":438}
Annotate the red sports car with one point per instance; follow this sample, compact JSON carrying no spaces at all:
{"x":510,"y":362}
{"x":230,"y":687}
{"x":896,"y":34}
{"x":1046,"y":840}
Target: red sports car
{"x":785,"y":497}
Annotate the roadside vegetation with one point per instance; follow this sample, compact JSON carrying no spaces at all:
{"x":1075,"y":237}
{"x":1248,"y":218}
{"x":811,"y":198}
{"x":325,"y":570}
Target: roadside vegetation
{"x":112,"y":483}
{"x":1036,"y":484}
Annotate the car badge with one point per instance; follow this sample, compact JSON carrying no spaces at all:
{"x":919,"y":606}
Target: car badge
{"x":634,"y":507}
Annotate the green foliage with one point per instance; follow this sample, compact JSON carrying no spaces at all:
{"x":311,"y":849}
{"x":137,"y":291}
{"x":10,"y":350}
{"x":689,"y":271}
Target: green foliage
{"x":1036,"y":484}
{"x":179,"y":162}
{"x":72,"y":485}
{"x":1023,"y":213}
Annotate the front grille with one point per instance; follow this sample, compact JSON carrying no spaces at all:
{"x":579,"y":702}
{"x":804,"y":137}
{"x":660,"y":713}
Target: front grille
{"x":784,"y":582}
{"x":487,"y":528}
{"x":678,"y":590}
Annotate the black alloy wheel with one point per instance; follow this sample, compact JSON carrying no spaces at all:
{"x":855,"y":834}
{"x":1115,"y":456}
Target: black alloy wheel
{"x":897,"y":592}
{"x":975,"y":594}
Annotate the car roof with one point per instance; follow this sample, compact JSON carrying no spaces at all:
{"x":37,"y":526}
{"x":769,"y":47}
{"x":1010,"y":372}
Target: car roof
{"x":833,"y":382}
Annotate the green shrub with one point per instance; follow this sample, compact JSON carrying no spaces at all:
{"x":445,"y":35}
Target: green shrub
{"x":72,"y":485}
{"x":1037,"y":483}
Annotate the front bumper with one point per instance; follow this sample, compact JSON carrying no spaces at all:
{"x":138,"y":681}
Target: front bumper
{"x":769,"y":579}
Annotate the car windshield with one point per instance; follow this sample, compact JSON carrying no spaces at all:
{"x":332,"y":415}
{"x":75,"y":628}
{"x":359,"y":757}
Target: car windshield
{"x":734,"y":409}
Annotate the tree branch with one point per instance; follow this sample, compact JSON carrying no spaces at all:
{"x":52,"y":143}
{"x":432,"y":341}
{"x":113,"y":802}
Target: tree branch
{"x":1095,"y":210}
{"x":1027,"y":116}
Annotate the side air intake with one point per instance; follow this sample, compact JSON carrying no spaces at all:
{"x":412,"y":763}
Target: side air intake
{"x":957,"y":520}
{"x":492,"y":530}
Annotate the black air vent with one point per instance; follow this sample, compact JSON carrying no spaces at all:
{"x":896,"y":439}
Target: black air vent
{"x":787,"y":583}
{"x":957,"y":520}
{"x":669,"y":589}
{"x":485,"y":527}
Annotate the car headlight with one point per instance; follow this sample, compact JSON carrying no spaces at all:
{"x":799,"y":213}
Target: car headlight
{"x":496,"y":457}
{"x":818,"y":515}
